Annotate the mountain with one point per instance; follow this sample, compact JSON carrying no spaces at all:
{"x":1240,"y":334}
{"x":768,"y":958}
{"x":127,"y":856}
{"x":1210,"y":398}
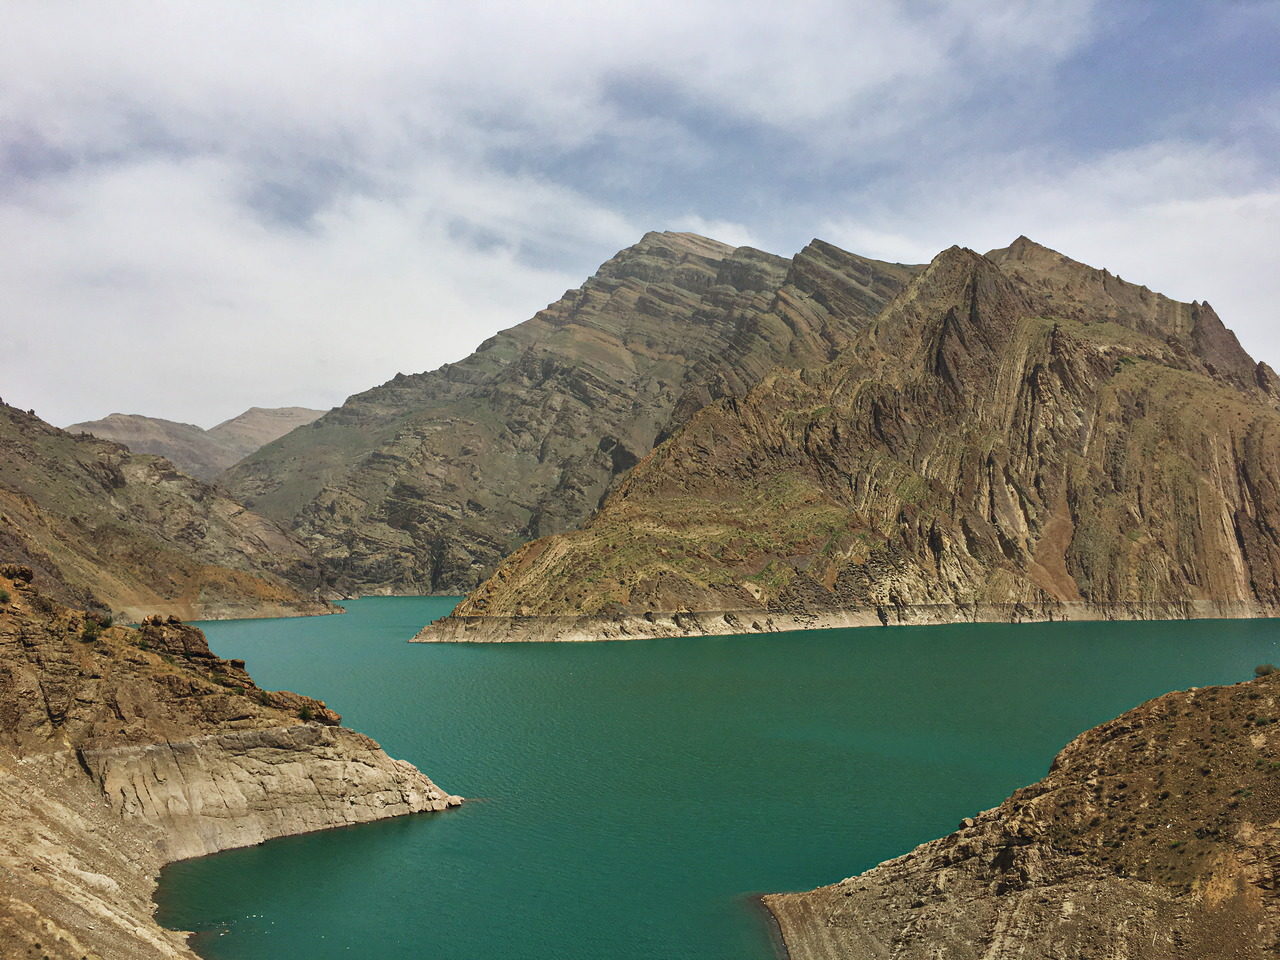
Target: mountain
{"x":1153,"y":837}
{"x":423,"y":484}
{"x":1015,"y":436}
{"x":124,"y":749}
{"x":103,"y":527}
{"x":195,"y":451}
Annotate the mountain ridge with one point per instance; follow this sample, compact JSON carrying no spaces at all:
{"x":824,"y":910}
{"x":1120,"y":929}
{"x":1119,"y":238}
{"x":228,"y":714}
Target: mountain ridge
{"x":109,"y":529}
{"x":971,"y":450}
{"x":423,"y":484}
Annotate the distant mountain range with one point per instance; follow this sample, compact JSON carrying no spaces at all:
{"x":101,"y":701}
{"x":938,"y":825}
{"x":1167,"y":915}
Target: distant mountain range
{"x":703,"y":438}
{"x":1013,"y":436}
{"x":195,"y":451}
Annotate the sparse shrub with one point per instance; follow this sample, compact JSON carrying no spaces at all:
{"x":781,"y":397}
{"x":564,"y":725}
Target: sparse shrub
{"x":1264,"y":669}
{"x":4,"y":595}
{"x":91,"y":631}
{"x":305,"y":713}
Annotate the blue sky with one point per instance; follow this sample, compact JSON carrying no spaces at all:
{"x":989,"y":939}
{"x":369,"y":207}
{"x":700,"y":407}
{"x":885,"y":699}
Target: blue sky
{"x":210,"y":206}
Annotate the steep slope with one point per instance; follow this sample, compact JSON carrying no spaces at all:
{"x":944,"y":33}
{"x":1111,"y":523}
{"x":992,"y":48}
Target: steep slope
{"x":122,"y":749}
{"x":106,"y":528}
{"x":195,"y":451}
{"x":973,"y":454}
{"x":424,"y":483}
{"x":1154,"y":837}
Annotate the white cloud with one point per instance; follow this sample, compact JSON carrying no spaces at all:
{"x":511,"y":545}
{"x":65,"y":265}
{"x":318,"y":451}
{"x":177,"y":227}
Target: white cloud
{"x":206,"y":206}
{"x":1193,"y":221}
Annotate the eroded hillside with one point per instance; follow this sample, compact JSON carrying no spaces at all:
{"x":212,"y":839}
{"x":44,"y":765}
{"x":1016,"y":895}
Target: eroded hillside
{"x":106,"y":528}
{"x":1014,"y":436}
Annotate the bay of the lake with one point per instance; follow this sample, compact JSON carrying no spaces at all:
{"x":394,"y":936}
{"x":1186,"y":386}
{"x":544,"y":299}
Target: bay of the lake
{"x":627,"y":800}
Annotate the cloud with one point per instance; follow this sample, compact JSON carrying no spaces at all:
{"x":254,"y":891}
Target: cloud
{"x":207,"y":206}
{"x":1194,"y":221}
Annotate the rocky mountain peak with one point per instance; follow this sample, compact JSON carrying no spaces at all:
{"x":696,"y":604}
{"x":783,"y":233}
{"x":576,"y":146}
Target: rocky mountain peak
{"x":1076,"y":291}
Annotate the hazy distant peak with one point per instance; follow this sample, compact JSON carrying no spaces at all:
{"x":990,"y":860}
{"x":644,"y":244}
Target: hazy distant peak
{"x":192,"y":449}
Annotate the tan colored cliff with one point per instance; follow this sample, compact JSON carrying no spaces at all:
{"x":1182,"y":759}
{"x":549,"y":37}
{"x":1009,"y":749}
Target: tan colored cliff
{"x":1014,"y":437}
{"x":124,"y":749}
{"x":1155,"y":836}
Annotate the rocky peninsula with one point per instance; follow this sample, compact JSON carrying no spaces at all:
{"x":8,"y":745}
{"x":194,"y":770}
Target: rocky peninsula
{"x":123,"y":749}
{"x":1015,"y":436}
{"x":1155,"y":836}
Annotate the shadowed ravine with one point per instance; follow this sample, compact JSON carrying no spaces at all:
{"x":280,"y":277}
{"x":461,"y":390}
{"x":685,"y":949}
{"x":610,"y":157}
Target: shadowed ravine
{"x":633,"y":796}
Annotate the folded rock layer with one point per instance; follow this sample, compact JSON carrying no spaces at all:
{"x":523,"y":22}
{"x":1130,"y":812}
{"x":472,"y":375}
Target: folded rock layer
{"x":1015,"y":436}
{"x":423,"y":484}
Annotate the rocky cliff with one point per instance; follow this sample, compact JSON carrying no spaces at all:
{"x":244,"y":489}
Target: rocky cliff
{"x":197,"y":452}
{"x":106,"y":528}
{"x":1155,"y":836}
{"x":423,"y":484}
{"x":1015,"y":436}
{"x":123,"y":749}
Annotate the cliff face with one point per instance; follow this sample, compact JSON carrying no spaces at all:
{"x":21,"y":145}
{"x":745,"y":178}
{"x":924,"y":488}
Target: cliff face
{"x":1154,"y":837}
{"x":1002,"y":442}
{"x":195,"y":451}
{"x":106,"y":528}
{"x":423,"y":484}
{"x":123,"y":749}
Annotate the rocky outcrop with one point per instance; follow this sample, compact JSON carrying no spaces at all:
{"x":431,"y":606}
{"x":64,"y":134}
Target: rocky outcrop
{"x":197,"y":452}
{"x":1154,"y":837}
{"x":423,"y":484}
{"x":1006,"y":437}
{"x":123,"y":749}
{"x":109,"y":529}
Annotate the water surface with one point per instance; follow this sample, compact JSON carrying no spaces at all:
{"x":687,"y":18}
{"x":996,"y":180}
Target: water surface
{"x":630,"y":797}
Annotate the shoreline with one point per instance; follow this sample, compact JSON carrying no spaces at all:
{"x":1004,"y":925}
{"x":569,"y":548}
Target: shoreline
{"x":585,"y":629}
{"x":777,"y":938}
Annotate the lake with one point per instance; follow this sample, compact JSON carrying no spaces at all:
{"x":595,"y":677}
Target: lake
{"x":628,"y":800}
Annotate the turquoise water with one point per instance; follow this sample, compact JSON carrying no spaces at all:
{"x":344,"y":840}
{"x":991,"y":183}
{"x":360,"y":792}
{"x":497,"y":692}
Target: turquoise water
{"x":629,"y":798}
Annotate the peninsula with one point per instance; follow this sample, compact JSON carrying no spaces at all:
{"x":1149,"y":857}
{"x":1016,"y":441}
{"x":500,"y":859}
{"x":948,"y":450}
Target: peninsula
{"x":122,"y":749}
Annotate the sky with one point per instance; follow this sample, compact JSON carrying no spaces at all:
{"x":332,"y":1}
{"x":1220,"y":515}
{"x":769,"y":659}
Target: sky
{"x":206,"y":207}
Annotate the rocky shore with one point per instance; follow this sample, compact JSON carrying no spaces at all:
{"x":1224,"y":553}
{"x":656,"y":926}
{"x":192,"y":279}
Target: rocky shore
{"x":124,"y":749}
{"x":1155,"y":836}
{"x":496,"y":629}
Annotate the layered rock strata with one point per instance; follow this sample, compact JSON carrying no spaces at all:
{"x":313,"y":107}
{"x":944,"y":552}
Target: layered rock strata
{"x":1016,"y":436}
{"x":109,"y":529}
{"x":1155,"y":836}
{"x":124,"y":749}
{"x":423,"y":484}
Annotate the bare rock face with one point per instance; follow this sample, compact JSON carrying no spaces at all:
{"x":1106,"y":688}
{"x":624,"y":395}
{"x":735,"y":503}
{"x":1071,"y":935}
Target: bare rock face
{"x":195,"y":451}
{"x":1154,"y":837}
{"x":1013,"y":438}
{"x":105,"y":528}
{"x":423,"y":484}
{"x":123,"y":749}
